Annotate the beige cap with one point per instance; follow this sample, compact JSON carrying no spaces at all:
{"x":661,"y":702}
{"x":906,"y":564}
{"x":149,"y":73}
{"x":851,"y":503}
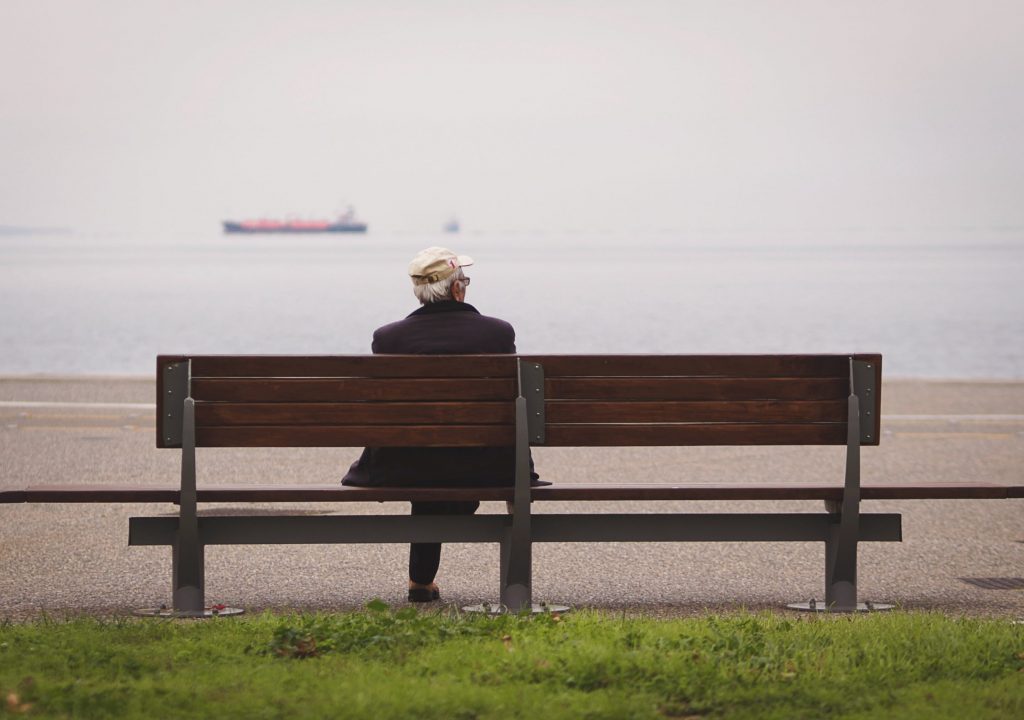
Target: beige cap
{"x":435,"y":263}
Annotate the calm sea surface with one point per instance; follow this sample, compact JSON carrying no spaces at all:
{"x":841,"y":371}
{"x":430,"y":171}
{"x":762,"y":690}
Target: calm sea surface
{"x":940,"y":303}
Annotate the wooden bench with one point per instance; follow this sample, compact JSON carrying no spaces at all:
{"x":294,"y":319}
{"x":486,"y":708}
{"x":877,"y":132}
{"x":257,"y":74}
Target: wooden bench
{"x":520,"y":401}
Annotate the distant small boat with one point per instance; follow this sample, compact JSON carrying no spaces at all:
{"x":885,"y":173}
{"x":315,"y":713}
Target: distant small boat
{"x":452,"y":226}
{"x":345,"y":223}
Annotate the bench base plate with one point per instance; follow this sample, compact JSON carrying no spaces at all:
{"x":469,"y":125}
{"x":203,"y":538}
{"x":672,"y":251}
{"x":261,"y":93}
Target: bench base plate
{"x":166,"y":612}
{"x":496,"y":609}
{"x":821,"y":607}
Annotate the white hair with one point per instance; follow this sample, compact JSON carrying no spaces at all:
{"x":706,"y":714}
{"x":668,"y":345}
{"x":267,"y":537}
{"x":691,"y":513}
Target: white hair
{"x":437,"y":291}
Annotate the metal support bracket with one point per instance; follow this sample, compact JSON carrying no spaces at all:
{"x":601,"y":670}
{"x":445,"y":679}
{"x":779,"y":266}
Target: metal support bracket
{"x":531,"y":387}
{"x":864,"y":387}
{"x":175,"y":390}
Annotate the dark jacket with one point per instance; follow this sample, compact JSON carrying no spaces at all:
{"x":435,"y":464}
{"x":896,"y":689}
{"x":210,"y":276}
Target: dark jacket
{"x":441,"y":328}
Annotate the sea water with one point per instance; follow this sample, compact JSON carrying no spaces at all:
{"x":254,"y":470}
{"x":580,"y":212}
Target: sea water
{"x":942,"y":303}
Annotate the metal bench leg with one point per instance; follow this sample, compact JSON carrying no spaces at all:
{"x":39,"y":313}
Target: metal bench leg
{"x":187,"y":555}
{"x":841,"y":545}
{"x":517,"y":540}
{"x":516,"y":566}
{"x":517,"y":570}
{"x":187,"y":561}
{"x":840,"y":571}
{"x":844,"y":533}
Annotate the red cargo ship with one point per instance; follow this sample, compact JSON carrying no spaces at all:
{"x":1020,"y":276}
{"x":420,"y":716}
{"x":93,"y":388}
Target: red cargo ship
{"x":345,"y":223}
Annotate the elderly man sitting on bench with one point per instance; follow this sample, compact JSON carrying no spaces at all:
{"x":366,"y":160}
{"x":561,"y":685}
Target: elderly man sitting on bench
{"x":445,"y":324}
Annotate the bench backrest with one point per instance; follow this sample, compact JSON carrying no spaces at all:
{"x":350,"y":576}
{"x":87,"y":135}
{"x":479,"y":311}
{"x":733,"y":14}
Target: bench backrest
{"x":339,"y":401}
{"x":469,"y":400}
{"x":609,"y":400}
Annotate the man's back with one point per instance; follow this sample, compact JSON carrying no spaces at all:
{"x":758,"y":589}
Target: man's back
{"x":445,"y":328}
{"x":441,"y":328}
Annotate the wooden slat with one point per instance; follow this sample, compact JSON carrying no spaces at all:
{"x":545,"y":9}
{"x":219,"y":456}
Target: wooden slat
{"x":764,"y":411}
{"x":768,"y":491}
{"x":836,"y":366}
{"x":610,"y":435}
{"x":352,"y":389}
{"x":12,"y":495}
{"x":674,"y":388}
{"x":344,"y":493}
{"x":377,"y":366}
{"x":504,"y":365}
{"x":966,"y":490}
{"x":357,"y":436}
{"x":100,"y":493}
{"x":396,"y":413}
{"x":333,"y":492}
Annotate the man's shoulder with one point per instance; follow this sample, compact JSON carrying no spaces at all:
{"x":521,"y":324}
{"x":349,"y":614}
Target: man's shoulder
{"x":470,"y":317}
{"x":391,"y":327}
{"x":406,"y":323}
{"x":485,"y":325}
{"x":445,"y":332}
{"x":496,"y":322}
{"x":392,"y":330}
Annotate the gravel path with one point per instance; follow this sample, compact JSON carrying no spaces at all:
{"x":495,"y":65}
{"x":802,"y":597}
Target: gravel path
{"x":72,"y":559}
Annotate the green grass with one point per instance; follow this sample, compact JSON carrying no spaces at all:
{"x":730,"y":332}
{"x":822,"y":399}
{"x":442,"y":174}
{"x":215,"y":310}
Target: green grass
{"x":405,"y":664}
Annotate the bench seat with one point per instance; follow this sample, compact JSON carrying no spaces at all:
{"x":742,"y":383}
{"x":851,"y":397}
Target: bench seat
{"x":107,"y":493}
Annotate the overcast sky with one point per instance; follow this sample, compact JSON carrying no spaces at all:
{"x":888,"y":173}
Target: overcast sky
{"x":514,"y":115}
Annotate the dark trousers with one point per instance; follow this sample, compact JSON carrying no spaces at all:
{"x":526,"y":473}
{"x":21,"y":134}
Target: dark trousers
{"x":424,"y":558}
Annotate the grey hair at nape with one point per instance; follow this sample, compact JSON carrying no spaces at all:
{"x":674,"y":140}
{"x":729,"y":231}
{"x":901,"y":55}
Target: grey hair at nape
{"x":437,"y":291}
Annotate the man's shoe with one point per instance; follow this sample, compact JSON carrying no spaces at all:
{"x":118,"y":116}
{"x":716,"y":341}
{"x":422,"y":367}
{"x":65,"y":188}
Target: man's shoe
{"x":424,"y":594}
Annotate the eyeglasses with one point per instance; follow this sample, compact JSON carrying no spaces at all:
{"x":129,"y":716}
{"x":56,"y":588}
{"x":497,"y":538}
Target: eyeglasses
{"x":465,"y":281}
